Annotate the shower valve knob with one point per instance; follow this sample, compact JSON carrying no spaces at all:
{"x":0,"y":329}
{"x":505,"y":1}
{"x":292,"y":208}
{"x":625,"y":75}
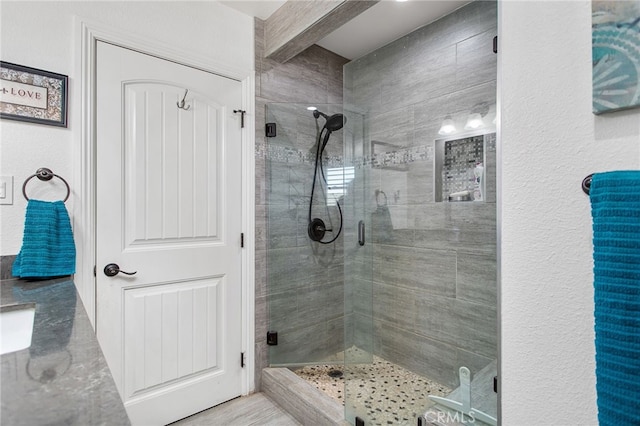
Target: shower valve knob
{"x":317,"y":229}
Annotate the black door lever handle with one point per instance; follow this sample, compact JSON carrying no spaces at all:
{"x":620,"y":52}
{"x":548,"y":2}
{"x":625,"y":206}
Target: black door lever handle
{"x":112,"y":269}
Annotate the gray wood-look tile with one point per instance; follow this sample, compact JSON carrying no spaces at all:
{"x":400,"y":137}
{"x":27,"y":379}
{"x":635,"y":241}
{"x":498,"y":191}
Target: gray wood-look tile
{"x":464,"y":23}
{"x":261,"y":323}
{"x":476,"y":327}
{"x":425,"y":269}
{"x":477,"y":278}
{"x":434,"y":318}
{"x":419,"y":84}
{"x":335,"y":64}
{"x":283,"y":311}
{"x":429,"y":112}
{"x":363,"y":333}
{"x":427,"y":357}
{"x":256,"y":409}
{"x":260,"y":227}
{"x":258,"y":52}
{"x":304,"y":78}
{"x":457,"y":239}
{"x":297,"y":25}
{"x":420,"y":189}
{"x":384,"y":303}
{"x":393,"y":127}
{"x":261,"y":273}
{"x":475,"y":61}
{"x":362,"y":299}
{"x":349,"y":330}
{"x":261,"y":361}
{"x":394,"y":237}
{"x":291,"y":20}
{"x":282,"y":225}
{"x":471,"y":216}
{"x":302,"y":400}
{"x":300,"y":345}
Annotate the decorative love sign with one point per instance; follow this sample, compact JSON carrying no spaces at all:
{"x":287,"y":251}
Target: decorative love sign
{"x":23,"y":94}
{"x":32,"y":95}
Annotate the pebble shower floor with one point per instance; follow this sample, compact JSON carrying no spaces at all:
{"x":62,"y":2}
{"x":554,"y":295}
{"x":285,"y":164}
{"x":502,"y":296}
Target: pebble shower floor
{"x":387,"y":393}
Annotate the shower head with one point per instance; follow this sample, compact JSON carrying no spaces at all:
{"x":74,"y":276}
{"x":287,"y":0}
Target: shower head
{"x":335,"y":122}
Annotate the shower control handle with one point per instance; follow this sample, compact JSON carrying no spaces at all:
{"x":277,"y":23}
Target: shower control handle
{"x":112,"y":269}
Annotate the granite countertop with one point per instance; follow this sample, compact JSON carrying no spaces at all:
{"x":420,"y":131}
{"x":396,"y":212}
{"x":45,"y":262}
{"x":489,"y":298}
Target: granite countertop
{"x":63,"y":378}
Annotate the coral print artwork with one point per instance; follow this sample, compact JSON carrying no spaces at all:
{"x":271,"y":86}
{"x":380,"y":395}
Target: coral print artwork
{"x":616,"y":55}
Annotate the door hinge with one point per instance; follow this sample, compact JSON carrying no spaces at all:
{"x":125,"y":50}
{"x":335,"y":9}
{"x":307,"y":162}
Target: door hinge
{"x":242,"y":359}
{"x":242,"y":240}
{"x":94,"y":271}
{"x":242,"y":113}
{"x":495,"y":44}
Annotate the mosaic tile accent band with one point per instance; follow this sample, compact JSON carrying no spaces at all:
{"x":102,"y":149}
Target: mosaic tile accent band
{"x":401,"y":156}
{"x":283,"y":154}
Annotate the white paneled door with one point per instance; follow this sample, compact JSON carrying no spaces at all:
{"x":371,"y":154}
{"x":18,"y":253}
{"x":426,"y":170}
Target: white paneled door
{"x":169,"y":209}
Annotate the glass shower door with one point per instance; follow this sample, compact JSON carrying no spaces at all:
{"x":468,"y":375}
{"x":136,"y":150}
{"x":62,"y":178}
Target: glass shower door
{"x":319,"y":287}
{"x":358,"y":270}
{"x":305,"y":283}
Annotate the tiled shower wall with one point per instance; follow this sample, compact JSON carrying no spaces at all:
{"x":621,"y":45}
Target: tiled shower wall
{"x":431,"y":274}
{"x":314,"y":76}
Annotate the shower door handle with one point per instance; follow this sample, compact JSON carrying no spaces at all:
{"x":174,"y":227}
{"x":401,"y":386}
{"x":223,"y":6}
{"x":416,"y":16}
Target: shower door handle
{"x":361,"y":232}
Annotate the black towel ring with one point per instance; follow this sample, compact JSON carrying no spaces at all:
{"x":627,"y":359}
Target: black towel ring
{"x":44,"y":174}
{"x":586,"y":184}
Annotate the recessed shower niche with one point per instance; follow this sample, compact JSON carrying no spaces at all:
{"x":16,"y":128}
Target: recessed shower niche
{"x":464,"y":168}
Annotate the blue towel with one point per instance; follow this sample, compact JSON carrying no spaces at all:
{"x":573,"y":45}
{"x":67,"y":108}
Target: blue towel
{"x":615,"y":208}
{"x":47,"y":245}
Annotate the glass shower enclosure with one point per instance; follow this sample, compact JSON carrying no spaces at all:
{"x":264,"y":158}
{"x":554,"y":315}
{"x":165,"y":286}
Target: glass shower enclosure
{"x":380,"y":302}
{"x":402,"y":298}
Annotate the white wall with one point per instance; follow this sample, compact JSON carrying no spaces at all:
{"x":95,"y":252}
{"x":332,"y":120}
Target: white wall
{"x":550,"y":142}
{"x":42,"y":35}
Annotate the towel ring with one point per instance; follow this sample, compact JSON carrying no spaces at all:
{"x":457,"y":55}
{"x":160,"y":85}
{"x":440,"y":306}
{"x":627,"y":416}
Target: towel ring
{"x":378,"y":192}
{"x":44,"y":174}
{"x":586,"y":184}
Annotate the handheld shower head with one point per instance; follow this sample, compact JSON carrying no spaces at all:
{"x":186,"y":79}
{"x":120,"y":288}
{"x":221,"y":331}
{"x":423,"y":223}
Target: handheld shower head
{"x":333,"y":123}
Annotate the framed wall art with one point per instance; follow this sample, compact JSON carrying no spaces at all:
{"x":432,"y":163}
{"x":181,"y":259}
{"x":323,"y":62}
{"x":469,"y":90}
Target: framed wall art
{"x":32,"y":95}
{"x":615,"y":28}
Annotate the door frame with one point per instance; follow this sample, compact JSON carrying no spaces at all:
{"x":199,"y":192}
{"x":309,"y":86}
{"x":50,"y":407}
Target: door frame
{"x":84,"y":213}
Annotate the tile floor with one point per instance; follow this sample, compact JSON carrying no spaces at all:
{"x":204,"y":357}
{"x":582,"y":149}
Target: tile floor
{"x":253,"y":410}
